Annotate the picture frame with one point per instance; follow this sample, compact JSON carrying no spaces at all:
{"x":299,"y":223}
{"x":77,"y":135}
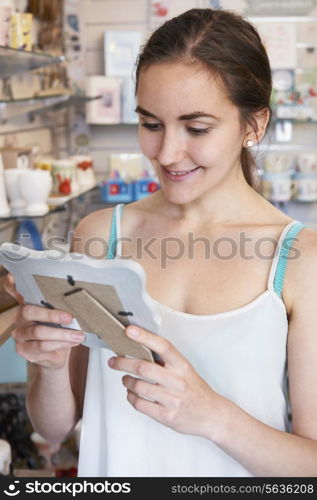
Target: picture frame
{"x":103,"y":295}
{"x":107,"y":109}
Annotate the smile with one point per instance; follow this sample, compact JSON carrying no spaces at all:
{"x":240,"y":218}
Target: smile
{"x":179,"y":174}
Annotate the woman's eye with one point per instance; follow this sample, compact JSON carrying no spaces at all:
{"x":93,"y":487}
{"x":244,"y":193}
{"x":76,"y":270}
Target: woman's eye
{"x":152,"y":126}
{"x":198,"y":131}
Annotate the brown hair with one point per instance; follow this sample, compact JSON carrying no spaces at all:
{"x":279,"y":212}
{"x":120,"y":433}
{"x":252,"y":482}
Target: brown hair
{"x":227,"y":45}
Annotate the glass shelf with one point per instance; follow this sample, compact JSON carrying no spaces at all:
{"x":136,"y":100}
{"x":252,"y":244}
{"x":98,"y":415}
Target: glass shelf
{"x":283,"y":147}
{"x":17,"y":107}
{"x":306,"y":121}
{"x":56,"y":204}
{"x":14,"y":61}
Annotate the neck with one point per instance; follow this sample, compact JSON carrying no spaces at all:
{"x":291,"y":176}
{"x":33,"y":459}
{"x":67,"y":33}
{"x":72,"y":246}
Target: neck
{"x":229,"y":203}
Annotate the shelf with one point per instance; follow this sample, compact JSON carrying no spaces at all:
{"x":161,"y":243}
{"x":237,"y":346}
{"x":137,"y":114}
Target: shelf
{"x":17,"y":107}
{"x":283,"y":147}
{"x":56,"y":204}
{"x":14,"y":61}
{"x":58,"y":201}
{"x":305,"y":121}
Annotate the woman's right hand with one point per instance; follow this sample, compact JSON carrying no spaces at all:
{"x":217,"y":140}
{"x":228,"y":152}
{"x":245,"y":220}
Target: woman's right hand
{"x":44,"y":345}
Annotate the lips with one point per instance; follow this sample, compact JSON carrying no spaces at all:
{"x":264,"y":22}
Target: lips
{"x":180,"y":172}
{"x":178,"y":175}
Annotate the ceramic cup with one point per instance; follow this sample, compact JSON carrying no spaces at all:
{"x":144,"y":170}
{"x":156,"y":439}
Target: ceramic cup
{"x":85,"y":171}
{"x":35,"y":186}
{"x":276,"y":162}
{"x":16,"y":200}
{"x":306,"y":186}
{"x":64,"y":177}
{"x":278,"y":187}
{"x":307,"y":162}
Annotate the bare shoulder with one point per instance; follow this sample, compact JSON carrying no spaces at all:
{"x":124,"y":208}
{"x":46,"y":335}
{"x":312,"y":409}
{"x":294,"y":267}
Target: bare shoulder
{"x":302,"y":340}
{"x":300,"y":285}
{"x":95,"y":223}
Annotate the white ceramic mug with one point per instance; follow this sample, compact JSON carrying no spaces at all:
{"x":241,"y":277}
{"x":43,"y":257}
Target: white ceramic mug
{"x":307,"y":162}
{"x":278,"y":187}
{"x":276,"y":162}
{"x":306,"y":186}
{"x":64,"y":174}
{"x":17,"y":203}
{"x":35,"y":186}
{"x":85,"y":171}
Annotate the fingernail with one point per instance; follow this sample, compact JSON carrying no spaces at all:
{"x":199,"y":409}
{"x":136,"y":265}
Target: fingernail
{"x":78,"y":337}
{"x":111,"y":362}
{"x":65,"y":318}
{"x":132,"y":331}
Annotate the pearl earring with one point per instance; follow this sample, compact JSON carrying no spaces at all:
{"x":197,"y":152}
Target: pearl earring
{"x":250,"y":143}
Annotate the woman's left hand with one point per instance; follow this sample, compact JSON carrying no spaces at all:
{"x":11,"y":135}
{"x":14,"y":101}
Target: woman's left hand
{"x":179,"y":397}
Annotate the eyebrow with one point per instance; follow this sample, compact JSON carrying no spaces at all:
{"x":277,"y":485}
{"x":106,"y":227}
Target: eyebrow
{"x":190,"y":116}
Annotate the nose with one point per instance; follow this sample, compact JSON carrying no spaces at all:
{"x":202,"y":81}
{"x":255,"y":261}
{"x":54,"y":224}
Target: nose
{"x":172,"y":149}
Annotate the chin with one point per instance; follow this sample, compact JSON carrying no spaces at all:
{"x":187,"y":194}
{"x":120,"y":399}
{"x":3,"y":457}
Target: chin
{"x":179,"y":198}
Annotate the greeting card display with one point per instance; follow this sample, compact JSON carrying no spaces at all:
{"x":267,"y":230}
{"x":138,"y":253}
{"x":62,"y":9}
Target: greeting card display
{"x":121,"y":48}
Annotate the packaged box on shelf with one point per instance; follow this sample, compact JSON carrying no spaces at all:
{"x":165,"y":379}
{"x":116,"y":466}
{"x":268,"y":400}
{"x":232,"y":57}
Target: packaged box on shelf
{"x":144,"y":187}
{"x":117,"y":190}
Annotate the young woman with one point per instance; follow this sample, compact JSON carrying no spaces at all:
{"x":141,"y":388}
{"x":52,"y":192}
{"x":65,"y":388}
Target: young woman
{"x":234,"y":316}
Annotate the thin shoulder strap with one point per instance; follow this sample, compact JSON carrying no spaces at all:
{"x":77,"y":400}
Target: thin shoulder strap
{"x":279,"y":265}
{"x":115,"y":246}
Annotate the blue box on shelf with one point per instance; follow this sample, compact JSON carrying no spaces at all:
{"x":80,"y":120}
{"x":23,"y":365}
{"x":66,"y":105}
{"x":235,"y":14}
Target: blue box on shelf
{"x":116,"y":190}
{"x":145,"y":186}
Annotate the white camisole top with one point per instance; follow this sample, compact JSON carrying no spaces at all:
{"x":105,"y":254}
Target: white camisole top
{"x":240,"y":353}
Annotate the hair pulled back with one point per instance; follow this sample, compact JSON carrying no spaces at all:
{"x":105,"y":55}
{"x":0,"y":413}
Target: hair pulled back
{"x":229,"y":47}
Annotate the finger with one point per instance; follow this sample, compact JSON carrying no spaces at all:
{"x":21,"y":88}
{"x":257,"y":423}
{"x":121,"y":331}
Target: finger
{"x":158,"y":344}
{"x":144,"y":389}
{"x":152,"y":372}
{"x":48,"y":359}
{"x":29,"y":312}
{"x":149,"y":408}
{"x":35,"y":332}
{"x":31,"y":350}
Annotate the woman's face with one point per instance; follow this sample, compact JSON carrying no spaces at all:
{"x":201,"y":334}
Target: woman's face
{"x":189,"y":129}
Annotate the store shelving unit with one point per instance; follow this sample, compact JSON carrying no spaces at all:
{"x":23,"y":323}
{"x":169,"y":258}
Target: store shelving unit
{"x":55,"y":204}
{"x":13,"y":61}
{"x":39,"y":104}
